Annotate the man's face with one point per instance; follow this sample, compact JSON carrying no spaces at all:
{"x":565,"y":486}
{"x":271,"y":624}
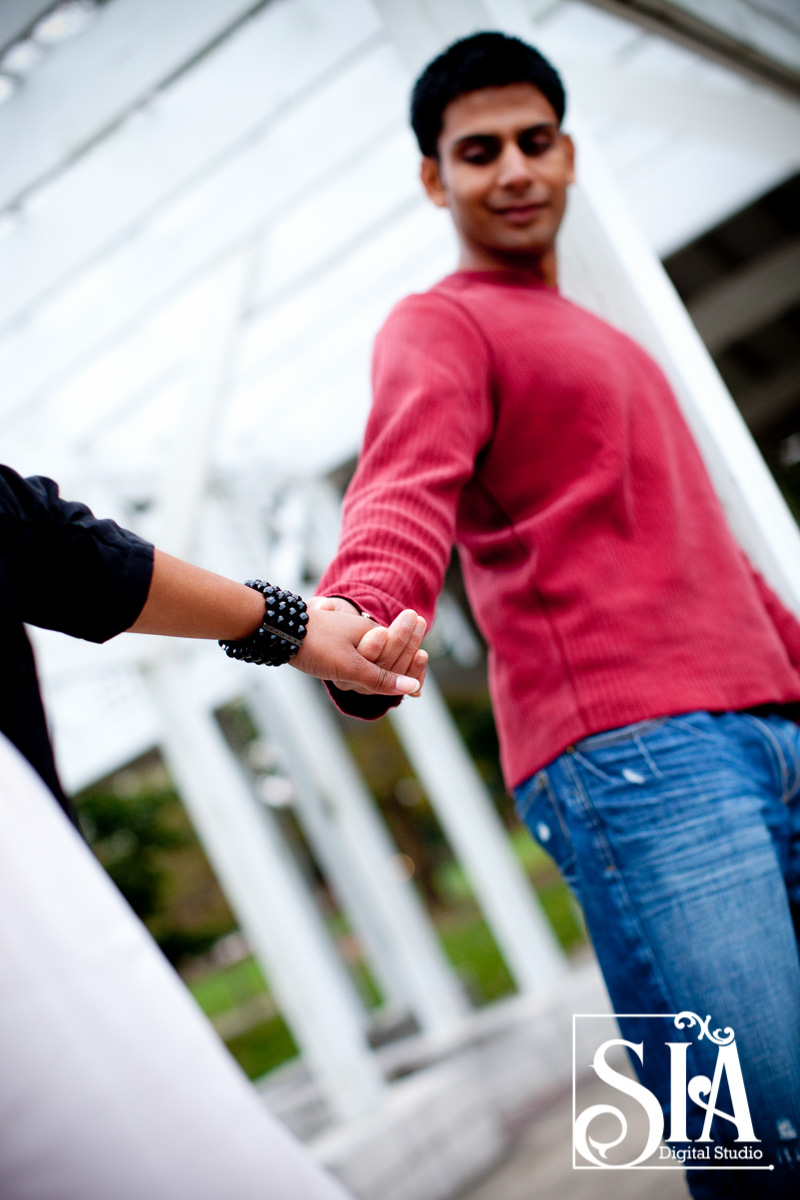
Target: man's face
{"x":503,"y":171}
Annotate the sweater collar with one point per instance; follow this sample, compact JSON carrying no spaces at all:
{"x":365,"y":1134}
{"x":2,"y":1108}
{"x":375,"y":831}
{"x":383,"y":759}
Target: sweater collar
{"x":503,"y":278}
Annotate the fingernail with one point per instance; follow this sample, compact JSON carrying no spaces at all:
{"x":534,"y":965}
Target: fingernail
{"x":409,"y":687}
{"x":410,"y":618}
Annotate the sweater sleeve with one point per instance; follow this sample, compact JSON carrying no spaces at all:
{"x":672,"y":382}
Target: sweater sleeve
{"x":431,"y":416}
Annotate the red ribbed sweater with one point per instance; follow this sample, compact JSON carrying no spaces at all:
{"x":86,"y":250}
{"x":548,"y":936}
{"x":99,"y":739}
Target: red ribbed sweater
{"x":599,"y":565}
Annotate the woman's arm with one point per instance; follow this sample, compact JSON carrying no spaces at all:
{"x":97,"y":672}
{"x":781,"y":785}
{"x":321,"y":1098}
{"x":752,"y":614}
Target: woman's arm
{"x":63,"y":568}
{"x":188,"y":601}
{"x":431,"y":416}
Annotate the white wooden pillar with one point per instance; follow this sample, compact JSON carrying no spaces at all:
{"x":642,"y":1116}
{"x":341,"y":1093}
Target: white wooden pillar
{"x":254,"y":866}
{"x":400,"y":932}
{"x":462,"y":804}
{"x":257,"y":872}
{"x":317,"y":818}
{"x":183,"y":484}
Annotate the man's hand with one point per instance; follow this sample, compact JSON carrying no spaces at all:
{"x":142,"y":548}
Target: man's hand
{"x":353,"y":652}
{"x":395,"y":649}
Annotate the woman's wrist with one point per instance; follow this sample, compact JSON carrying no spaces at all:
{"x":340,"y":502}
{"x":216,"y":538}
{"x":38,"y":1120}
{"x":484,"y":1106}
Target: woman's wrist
{"x":280,"y":633}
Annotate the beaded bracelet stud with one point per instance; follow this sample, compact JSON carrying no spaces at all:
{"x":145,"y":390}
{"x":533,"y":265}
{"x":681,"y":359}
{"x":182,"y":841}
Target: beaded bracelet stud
{"x":280,"y":634}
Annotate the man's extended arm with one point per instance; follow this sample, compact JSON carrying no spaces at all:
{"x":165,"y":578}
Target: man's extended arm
{"x":432,"y":414}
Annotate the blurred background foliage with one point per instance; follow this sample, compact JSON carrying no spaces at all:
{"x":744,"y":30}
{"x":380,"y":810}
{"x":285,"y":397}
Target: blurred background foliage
{"x":140,"y":832}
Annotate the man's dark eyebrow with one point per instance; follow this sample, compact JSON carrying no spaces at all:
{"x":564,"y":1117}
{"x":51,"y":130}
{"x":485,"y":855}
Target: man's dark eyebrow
{"x":493,"y":137}
{"x":476,"y":137}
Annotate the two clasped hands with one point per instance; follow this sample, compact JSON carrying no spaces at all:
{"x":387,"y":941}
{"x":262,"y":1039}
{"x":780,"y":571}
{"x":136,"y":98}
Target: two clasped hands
{"x":357,"y":654}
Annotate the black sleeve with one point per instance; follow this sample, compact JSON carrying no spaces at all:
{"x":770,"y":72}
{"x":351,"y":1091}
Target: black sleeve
{"x":64,"y":569}
{"x":356,"y":704}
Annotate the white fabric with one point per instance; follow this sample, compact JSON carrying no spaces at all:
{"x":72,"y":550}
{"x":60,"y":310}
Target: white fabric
{"x":112,"y":1084}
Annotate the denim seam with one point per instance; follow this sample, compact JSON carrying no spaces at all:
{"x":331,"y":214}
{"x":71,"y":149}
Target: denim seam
{"x":794,"y":787}
{"x":589,"y":810}
{"x":536,"y":787}
{"x":557,"y":810}
{"x":766,"y":732}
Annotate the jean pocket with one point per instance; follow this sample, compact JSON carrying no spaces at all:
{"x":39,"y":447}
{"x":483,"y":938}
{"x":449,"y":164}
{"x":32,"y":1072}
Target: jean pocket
{"x":622,"y":757}
{"x":539,"y":810}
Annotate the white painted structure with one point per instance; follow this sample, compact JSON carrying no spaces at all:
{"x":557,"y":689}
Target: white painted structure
{"x":206,"y":210}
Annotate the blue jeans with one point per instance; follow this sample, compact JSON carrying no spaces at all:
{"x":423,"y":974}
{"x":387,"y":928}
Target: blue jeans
{"x":680,"y":837}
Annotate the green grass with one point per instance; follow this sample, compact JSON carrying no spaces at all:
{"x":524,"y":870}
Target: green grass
{"x":263,"y":1047}
{"x":469,"y":944}
{"x":471,"y":949}
{"x":226,"y":987}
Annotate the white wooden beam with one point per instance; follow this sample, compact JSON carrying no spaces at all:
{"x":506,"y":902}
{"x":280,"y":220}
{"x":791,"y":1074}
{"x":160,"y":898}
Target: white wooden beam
{"x":718,"y":181}
{"x":206,"y":128}
{"x":270,"y":898}
{"x":86,"y":86}
{"x":751,"y":22}
{"x":410,"y":956}
{"x":314,"y":813}
{"x":171,"y":253}
{"x":17,"y":16}
{"x":185,"y":474}
{"x":756,"y":119}
{"x":481,"y":843}
{"x":265,"y":889}
{"x":748,"y":36}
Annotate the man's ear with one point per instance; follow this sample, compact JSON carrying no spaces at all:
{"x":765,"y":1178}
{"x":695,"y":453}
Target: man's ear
{"x":569,"y":149}
{"x":431,"y":175}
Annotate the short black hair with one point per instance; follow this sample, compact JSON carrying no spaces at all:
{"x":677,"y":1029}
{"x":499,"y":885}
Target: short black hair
{"x":482,"y":60}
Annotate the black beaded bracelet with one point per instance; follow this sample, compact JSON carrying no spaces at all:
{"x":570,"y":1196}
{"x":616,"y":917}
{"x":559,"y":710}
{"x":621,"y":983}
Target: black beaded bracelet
{"x":281,"y":633}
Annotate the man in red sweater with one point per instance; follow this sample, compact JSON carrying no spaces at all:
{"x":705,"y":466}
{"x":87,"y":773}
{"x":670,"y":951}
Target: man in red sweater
{"x":638,"y":665}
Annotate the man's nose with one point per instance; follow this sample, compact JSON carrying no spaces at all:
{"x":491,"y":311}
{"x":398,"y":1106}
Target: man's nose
{"x":514,"y":167}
